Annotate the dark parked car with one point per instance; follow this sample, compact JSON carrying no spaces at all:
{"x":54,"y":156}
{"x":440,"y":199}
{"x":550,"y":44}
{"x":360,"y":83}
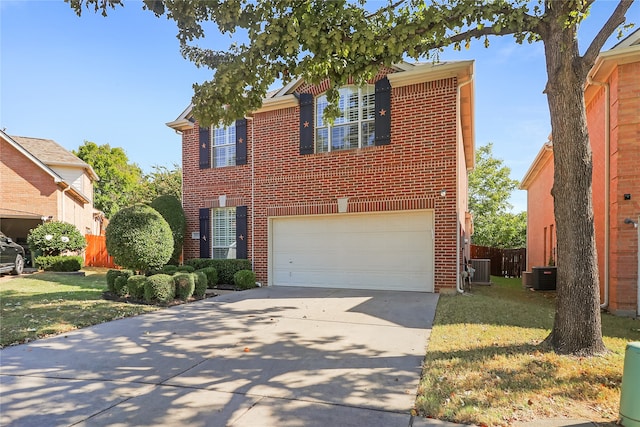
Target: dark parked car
{"x":11,"y":256}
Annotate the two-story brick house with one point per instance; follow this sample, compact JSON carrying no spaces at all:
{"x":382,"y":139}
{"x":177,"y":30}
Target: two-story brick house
{"x":612,"y":98}
{"x":376,"y":200}
{"x":41,"y":181}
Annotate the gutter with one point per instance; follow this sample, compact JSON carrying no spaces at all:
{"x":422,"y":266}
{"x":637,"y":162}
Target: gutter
{"x":607,"y":184}
{"x":459,"y":132}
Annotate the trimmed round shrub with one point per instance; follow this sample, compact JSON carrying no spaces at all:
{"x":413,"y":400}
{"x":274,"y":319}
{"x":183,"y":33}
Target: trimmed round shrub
{"x":112,"y":275}
{"x":201,"y":284}
{"x":135,"y":284}
{"x":159,"y":288}
{"x":54,"y":238}
{"x":171,"y":210}
{"x":186,"y":268}
{"x":120,"y":286}
{"x":169,"y":269}
{"x":139,"y":238}
{"x":245,"y":279}
{"x":212,"y":276}
{"x":185,"y":285}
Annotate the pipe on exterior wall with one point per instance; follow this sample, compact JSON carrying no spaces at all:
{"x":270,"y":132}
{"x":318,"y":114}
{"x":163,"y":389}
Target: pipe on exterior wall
{"x":607,"y":183}
{"x":458,"y":224}
{"x":253,"y":215}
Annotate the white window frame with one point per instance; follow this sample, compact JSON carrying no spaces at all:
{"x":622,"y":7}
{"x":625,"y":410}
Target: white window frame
{"x":343,"y":122}
{"x":223,"y":138}
{"x":223,"y":233}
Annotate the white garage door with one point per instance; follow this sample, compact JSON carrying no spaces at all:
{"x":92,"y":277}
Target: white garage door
{"x":390,"y":250}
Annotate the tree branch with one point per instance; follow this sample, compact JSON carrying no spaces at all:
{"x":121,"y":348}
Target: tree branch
{"x":616,"y":19}
{"x":384,"y":9}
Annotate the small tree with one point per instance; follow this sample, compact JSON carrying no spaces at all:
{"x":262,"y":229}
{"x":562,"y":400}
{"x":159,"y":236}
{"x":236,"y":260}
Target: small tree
{"x":489,"y":190}
{"x":55,"y":238}
{"x":139,"y":238}
{"x":171,"y":210}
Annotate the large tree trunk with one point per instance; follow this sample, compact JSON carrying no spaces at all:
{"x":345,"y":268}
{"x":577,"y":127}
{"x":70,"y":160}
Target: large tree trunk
{"x":577,"y":325}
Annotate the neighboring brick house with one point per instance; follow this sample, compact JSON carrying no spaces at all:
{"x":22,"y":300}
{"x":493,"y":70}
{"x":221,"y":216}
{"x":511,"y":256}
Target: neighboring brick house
{"x":612,"y":100}
{"x":41,"y":181}
{"x":376,"y":201}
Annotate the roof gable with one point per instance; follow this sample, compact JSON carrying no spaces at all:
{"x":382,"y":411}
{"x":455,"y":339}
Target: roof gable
{"x":51,"y":153}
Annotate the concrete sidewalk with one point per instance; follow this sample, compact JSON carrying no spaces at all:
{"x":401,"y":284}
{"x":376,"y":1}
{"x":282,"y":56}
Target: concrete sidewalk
{"x":266,"y":357}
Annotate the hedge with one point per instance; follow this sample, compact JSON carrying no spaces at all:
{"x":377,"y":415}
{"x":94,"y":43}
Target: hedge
{"x":59,"y":263}
{"x":226,"y":268}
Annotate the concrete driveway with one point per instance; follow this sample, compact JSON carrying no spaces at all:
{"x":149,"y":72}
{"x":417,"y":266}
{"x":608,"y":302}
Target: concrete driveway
{"x":265,"y":357}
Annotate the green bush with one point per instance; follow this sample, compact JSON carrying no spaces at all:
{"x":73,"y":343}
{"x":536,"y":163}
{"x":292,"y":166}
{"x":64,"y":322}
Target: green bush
{"x":59,"y":263}
{"x":226,"y":268}
{"x":185,"y":285}
{"x":120,"y":286}
{"x":171,"y":210}
{"x":139,"y":238}
{"x":201,"y":284}
{"x":212,"y":276}
{"x":112,"y":275}
{"x":54,"y":238}
{"x":169,"y":269}
{"x":186,"y":268}
{"x":245,"y":279}
{"x":135,"y":284}
{"x":159,"y":288}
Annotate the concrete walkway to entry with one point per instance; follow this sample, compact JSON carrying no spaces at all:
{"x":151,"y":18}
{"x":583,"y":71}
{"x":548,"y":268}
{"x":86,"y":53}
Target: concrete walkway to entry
{"x":267,"y":357}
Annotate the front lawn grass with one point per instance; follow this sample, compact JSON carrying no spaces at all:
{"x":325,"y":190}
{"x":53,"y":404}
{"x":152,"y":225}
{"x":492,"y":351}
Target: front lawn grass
{"x":484,"y":364}
{"x":37,"y":305}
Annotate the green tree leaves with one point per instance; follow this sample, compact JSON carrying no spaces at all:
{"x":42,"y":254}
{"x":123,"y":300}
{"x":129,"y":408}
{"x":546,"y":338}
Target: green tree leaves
{"x":122,"y":183}
{"x":119,"y":182}
{"x":489,"y":190}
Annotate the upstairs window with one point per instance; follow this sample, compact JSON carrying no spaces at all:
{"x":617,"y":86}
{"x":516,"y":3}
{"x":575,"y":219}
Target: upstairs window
{"x":224,"y":146}
{"x":355,"y":128}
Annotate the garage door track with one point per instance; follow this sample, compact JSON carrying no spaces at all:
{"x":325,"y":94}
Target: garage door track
{"x":282,"y":356}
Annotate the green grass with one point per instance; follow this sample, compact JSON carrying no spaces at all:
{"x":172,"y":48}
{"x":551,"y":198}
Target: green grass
{"x":37,"y":305}
{"x":484,"y":364}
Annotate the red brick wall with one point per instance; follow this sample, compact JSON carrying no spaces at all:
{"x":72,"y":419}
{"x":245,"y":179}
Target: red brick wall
{"x":407,"y":174}
{"x":25,"y":187}
{"x":540,"y":244}
{"x":625,"y":179}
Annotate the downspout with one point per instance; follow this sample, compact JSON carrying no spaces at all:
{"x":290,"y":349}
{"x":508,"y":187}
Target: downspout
{"x":458,"y":142}
{"x":607,"y":183}
{"x":253,"y":216}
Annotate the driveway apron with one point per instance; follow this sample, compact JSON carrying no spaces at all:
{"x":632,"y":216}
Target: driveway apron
{"x":276,"y":356}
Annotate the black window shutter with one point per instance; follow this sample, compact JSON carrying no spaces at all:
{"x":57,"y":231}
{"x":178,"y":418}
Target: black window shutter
{"x":306,"y":123}
{"x":241,"y":142}
{"x":205,"y":233}
{"x":204,"y":139}
{"x":383,"y":112}
{"x":241,"y":232}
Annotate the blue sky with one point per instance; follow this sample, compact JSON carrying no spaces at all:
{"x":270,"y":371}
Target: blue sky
{"x":118,"y":80}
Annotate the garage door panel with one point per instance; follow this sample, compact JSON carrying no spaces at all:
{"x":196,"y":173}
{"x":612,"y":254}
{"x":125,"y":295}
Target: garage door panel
{"x":365,"y":251}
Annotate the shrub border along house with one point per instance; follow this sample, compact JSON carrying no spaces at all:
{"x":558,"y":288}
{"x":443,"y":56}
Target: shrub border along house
{"x":187,"y":282}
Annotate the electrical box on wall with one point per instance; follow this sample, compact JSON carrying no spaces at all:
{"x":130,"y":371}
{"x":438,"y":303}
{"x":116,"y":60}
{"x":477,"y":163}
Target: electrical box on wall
{"x":627,"y":196}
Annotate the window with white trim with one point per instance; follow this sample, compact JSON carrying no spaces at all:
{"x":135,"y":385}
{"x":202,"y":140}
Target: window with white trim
{"x":355,"y":128}
{"x":223,"y":146}
{"x":224,"y":233}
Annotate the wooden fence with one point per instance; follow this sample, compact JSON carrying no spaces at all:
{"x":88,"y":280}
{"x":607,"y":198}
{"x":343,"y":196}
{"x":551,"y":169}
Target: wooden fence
{"x":95,"y":254}
{"x":504,"y":262}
